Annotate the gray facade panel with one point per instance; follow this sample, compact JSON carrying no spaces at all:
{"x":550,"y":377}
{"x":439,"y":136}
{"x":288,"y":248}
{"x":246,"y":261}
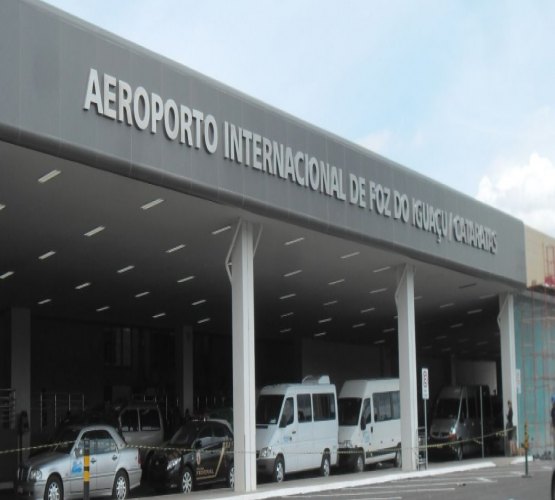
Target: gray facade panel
{"x":49,"y":63}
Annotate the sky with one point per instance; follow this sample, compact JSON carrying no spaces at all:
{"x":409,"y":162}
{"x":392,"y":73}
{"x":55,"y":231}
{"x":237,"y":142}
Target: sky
{"x":461,"y":91}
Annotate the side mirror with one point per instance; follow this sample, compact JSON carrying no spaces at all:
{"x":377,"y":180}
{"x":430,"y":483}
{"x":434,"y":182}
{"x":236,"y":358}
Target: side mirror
{"x":198,"y":444}
{"x":363,"y":423}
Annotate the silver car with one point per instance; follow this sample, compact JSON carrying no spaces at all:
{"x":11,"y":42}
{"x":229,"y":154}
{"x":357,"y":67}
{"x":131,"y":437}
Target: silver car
{"x":58,"y":472}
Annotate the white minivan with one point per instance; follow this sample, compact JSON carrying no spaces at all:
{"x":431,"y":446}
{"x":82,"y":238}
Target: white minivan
{"x":369,"y":423}
{"x":296,"y":427}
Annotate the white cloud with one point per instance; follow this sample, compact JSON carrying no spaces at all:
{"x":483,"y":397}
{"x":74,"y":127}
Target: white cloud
{"x":525,"y":191}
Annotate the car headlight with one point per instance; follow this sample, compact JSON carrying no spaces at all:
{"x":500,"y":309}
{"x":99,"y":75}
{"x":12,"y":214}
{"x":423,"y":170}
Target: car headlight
{"x":266,"y":452}
{"x":35,"y":475}
{"x":172,"y":464}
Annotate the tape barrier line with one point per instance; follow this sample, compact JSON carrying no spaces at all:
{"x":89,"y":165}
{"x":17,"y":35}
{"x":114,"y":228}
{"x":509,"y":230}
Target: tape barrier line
{"x":38,"y":447}
{"x":445,"y":444}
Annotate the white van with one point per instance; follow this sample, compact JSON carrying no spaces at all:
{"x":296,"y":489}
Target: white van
{"x":296,"y":427}
{"x":369,"y":423}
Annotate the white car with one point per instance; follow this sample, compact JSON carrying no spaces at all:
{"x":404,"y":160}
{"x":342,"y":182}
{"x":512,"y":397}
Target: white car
{"x":57,"y":473}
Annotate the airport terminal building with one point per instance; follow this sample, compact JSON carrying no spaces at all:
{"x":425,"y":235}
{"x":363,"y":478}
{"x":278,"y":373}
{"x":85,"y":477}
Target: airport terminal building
{"x":167,"y":236}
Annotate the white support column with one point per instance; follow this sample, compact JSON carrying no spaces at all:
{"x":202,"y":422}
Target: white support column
{"x":20,"y":328}
{"x":244,"y":423}
{"x":506,"y":322}
{"x":404,"y":299}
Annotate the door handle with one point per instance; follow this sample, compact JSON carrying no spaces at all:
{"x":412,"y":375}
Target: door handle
{"x":293,"y":432}
{"x":114,"y":457}
{"x":93,"y":460}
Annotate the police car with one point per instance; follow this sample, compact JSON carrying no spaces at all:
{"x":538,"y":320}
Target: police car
{"x":199,"y":453}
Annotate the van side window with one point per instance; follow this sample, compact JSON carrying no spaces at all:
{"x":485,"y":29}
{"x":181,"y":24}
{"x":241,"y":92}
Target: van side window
{"x":386,"y":406}
{"x":324,"y":407}
{"x":366,"y":411}
{"x":304,"y":408}
{"x":130,"y":420}
{"x":150,"y":419}
{"x":288,"y":413}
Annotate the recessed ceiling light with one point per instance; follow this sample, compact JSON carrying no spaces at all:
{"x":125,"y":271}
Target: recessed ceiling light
{"x":159,"y":315}
{"x":221,"y":230}
{"x":441,"y":337}
{"x":320,"y":334}
{"x":462,"y":341}
{"x":336,"y":282}
{"x":359,"y":325}
{"x":103,"y":308}
{"x":367,"y":310}
{"x":142,"y":294}
{"x":288,"y":296}
{"x":456,"y":325}
{"x":483,"y":342}
{"x":152,"y":203}
{"x":198,"y":302}
{"x":488,"y":296}
{"x":203,"y":320}
{"x":125,"y":269}
{"x":325,"y":320}
{"x":49,"y":175}
{"x":427,"y":347}
{"x":387,"y":330}
{"x":285,"y":330}
{"x":468,"y":285}
{"x":292,"y":242}
{"x":330,"y":302}
{"x":446,"y":349}
{"x":381,"y":269}
{"x":449,"y":304}
{"x":378,"y":290}
{"x":175,"y":249}
{"x":381,"y":341}
{"x":349,"y":255}
{"x":2,"y":207}
{"x":474,"y":311}
{"x":187,"y":278}
{"x":44,"y":301}
{"x":292,"y":273}
{"x":285,"y":315}
{"x":83,"y":285}
{"x":94,"y":231}
{"x":6,"y":275}
{"x":418,"y":297}
{"x":46,"y":255}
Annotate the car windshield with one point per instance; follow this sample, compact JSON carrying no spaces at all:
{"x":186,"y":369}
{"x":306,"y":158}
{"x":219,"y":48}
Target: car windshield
{"x":349,"y":410}
{"x":185,"y":435}
{"x":447,"y":408}
{"x":64,"y":440}
{"x":268,"y":408}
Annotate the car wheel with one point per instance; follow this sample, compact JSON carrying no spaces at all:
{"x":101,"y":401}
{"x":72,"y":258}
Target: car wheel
{"x":54,"y":489}
{"x":279,"y":470}
{"x":121,"y":486}
{"x":325,"y":467}
{"x":398,"y":460}
{"x":231,"y":477}
{"x":359,"y":462}
{"x":186,"y":483}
